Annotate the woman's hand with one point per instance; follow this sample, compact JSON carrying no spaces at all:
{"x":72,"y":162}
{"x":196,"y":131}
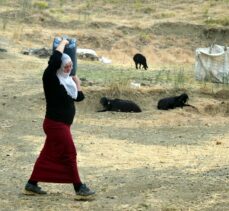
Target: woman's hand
{"x":64,"y":41}
{"x":62,"y":45}
{"x":77,"y":81}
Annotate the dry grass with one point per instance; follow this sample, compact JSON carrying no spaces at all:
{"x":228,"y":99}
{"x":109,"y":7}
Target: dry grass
{"x":118,"y":29}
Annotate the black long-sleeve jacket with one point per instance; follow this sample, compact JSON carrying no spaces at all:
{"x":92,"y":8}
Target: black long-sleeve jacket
{"x":59,"y":105}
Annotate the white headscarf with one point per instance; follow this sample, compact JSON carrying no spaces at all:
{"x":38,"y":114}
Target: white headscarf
{"x":65,"y":78}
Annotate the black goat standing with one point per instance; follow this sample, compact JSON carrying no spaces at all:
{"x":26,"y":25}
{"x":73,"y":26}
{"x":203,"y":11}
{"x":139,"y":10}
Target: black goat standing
{"x":139,"y":60}
{"x":173,"y":102}
{"x":119,"y":105}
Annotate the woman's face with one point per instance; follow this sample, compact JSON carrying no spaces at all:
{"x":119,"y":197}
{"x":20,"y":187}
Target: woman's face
{"x":68,"y":67}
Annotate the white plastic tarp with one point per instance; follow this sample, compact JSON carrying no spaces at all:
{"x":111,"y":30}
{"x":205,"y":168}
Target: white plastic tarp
{"x":212,"y":64}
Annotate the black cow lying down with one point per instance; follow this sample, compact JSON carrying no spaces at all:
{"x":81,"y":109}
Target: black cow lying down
{"x":119,"y":105}
{"x":173,"y":102}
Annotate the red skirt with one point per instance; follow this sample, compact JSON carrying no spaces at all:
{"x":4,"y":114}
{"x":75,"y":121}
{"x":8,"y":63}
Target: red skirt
{"x":57,"y":160}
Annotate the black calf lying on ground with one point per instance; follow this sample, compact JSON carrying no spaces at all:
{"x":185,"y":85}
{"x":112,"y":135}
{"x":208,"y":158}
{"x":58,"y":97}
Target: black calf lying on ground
{"x":173,"y":102}
{"x":119,"y":105}
{"x":139,"y":60}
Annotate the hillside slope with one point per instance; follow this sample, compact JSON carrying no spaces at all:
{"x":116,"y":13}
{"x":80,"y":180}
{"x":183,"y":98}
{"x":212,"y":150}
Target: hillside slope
{"x":166,"y":32}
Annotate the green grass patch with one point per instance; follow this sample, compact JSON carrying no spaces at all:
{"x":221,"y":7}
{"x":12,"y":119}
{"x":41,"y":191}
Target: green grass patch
{"x":106,"y":74}
{"x":168,"y":78}
{"x":41,"y":5}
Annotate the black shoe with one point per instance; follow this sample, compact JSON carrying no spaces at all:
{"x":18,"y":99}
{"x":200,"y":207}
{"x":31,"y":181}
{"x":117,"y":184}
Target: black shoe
{"x":33,"y":189}
{"x":84,"y":191}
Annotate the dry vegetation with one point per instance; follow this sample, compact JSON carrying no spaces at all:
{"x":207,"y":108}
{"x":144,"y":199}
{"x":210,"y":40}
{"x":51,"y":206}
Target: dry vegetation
{"x":166,"y":31}
{"x":175,"y":160}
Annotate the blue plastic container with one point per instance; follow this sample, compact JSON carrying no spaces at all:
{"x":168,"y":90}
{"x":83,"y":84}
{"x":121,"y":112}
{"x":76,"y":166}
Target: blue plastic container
{"x":69,"y":49}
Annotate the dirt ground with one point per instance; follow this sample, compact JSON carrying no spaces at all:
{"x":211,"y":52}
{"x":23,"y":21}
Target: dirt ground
{"x":154,"y":160}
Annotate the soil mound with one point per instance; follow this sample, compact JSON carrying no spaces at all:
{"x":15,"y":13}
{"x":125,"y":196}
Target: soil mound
{"x":222,"y":94}
{"x":215,"y":109}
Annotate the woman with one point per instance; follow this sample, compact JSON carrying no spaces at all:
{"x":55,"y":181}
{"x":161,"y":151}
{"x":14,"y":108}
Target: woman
{"x":57,"y":160}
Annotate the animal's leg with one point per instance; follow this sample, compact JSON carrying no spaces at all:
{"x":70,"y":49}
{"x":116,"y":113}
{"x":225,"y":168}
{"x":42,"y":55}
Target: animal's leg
{"x":191,"y":106}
